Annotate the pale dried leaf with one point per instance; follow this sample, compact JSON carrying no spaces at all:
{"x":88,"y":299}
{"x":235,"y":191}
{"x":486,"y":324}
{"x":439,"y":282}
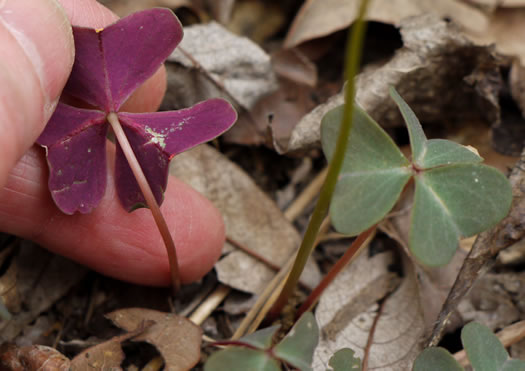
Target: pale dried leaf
{"x":251,"y":219}
{"x":220,"y":10}
{"x":505,"y":30}
{"x":492,"y":4}
{"x":228,"y":66}
{"x":8,"y":289}
{"x":396,"y":338}
{"x":104,"y":356}
{"x":294,"y":66}
{"x":517,"y":85}
{"x":442,"y":75}
{"x":176,"y":338}
{"x":318,"y":18}
{"x":42,"y":279}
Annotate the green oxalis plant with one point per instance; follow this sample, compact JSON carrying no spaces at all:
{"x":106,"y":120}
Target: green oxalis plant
{"x":258,"y":351}
{"x":455,"y":194}
{"x":484,"y":351}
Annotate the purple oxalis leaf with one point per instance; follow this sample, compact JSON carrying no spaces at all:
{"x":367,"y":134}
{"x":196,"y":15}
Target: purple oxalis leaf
{"x":109,"y":65}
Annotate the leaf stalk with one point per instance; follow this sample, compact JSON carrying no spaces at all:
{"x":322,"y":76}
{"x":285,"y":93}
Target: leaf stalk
{"x":151,"y":202}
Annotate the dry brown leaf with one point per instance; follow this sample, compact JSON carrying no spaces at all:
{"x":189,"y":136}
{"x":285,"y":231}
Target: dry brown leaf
{"x":42,"y":279}
{"x":235,"y":64}
{"x":505,"y":30}
{"x":104,"y":356}
{"x":318,"y":18}
{"x":8,"y":289}
{"x":258,"y":20}
{"x":251,"y":219}
{"x":442,"y":75}
{"x":32,"y":358}
{"x":397,"y":335}
{"x":295,"y":66}
{"x":220,"y":10}
{"x":491,"y":4}
{"x":213,"y":62}
{"x":176,"y":338}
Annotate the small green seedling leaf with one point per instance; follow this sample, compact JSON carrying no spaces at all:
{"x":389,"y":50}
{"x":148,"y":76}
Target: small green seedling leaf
{"x":297,"y":348}
{"x":256,"y":352}
{"x":436,"y":359}
{"x":237,"y":358}
{"x":373,"y":175}
{"x":344,"y":360}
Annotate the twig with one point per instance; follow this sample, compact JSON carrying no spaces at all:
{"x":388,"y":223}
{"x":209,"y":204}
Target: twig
{"x":208,"y":306}
{"x":297,"y":207}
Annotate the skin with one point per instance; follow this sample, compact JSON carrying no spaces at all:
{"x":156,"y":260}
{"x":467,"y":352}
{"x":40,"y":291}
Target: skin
{"x":35,"y":61}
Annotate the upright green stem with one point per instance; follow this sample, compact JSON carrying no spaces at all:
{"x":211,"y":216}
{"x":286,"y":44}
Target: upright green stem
{"x":352,"y":60}
{"x":149,"y":197}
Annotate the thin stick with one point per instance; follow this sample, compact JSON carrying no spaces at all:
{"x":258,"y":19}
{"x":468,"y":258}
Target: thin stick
{"x":306,"y":196}
{"x":208,"y":306}
{"x":351,"y":253}
{"x":149,"y":197}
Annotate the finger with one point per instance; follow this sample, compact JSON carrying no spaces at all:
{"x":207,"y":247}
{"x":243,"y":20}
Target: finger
{"x":109,"y":240}
{"x":35,"y":60}
{"x":89,"y":13}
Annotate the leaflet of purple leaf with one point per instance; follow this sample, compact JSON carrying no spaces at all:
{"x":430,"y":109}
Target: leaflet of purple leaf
{"x":109,"y":65}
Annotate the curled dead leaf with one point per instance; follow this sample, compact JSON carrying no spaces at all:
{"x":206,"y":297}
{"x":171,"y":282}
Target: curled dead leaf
{"x":176,"y":338}
{"x":346,"y":323}
{"x":436,"y":60}
{"x":250,"y":216}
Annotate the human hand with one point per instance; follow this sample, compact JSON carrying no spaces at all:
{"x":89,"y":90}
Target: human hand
{"x":35,"y":61}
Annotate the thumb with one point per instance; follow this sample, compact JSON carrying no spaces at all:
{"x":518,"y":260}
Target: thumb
{"x":35,"y":61}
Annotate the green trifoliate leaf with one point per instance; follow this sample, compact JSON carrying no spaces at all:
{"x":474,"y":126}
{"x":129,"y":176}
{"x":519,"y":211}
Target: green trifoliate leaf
{"x":373,"y":175}
{"x":436,"y":359}
{"x":237,"y":358}
{"x":452,"y":202}
{"x":297,"y":348}
{"x":344,"y":360}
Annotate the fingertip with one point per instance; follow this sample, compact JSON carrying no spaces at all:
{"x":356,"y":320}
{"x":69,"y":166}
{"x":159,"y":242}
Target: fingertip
{"x":32,"y":74}
{"x":123,"y":245}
